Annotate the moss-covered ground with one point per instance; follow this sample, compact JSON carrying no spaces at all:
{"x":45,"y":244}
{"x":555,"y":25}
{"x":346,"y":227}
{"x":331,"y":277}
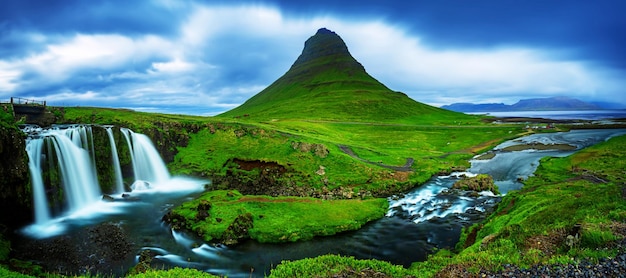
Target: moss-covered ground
{"x":274,"y":219}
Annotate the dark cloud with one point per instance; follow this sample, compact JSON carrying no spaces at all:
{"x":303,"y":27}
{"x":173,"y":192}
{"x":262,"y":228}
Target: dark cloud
{"x":70,"y":16}
{"x":591,"y":30}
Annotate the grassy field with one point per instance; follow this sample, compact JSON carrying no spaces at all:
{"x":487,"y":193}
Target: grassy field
{"x":215,"y":141}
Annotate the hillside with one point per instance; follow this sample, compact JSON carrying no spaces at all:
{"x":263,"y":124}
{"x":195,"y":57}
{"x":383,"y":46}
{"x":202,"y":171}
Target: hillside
{"x":534,"y":104}
{"x":327,"y":83}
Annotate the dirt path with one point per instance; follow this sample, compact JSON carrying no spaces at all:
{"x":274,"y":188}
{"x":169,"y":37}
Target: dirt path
{"x":405,"y":168}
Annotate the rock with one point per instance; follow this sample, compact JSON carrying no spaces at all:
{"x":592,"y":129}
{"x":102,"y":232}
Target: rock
{"x":319,"y":150}
{"x":482,"y":182}
{"x":15,"y":196}
{"x":107,"y":198}
{"x":104,"y":248}
{"x":487,"y":240}
{"x":321,"y":171}
{"x":238,"y":230}
{"x":203,"y":210}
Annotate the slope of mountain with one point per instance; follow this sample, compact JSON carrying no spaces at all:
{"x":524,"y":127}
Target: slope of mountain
{"x":327,"y":83}
{"x":535,"y":104}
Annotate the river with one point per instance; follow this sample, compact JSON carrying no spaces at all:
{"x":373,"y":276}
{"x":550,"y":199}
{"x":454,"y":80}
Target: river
{"x":430,"y":216}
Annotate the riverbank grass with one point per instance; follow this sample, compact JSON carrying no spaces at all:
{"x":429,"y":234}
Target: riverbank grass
{"x":573,"y":208}
{"x":338,"y":266}
{"x":216,"y":215}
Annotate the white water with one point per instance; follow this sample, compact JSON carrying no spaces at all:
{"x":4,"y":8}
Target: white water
{"x":119,"y":183}
{"x":33,"y":148}
{"x":82,"y":137}
{"x":434,"y":200}
{"x":77,"y":172}
{"x":147,"y":163}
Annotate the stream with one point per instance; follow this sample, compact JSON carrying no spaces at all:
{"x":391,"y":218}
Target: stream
{"x":430,"y":216}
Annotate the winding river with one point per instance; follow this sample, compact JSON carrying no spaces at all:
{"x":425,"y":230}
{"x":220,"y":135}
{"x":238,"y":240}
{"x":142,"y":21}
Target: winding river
{"x":430,"y":216}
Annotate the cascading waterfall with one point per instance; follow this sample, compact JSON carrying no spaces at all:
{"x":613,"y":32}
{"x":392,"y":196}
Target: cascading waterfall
{"x":119,"y":183}
{"x":62,"y":160}
{"x":76,"y":167}
{"x":147,"y":163}
{"x":33,"y":148}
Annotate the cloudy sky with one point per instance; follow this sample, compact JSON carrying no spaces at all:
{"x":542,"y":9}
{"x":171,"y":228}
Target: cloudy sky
{"x":205,"y":57}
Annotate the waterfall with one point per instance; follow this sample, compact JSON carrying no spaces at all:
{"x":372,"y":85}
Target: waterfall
{"x":33,"y":149}
{"x":147,"y":163}
{"x":76,"y":167}
{"x":119,"y":184}
{"x":77,"y":172}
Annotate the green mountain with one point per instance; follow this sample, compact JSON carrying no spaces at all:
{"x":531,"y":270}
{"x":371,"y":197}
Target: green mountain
{"x":326,"y":83}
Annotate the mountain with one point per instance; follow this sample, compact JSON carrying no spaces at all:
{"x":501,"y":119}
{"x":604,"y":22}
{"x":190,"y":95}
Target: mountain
{"x":327,"y":83}
{"x":534,"y":104}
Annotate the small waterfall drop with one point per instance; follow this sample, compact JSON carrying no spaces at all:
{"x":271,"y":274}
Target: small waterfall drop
{"x":147,"y":163}
{"x":119,"y":183}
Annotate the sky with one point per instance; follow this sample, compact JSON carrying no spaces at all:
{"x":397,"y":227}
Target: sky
{"x":206,"y":57}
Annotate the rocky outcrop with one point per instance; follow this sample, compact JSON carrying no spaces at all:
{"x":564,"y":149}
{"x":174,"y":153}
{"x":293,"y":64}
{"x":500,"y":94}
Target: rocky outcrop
{"x":15,"y":194}
{"x":318,"y":149}
{"x":238,"y":230}
{"x":482,"y":182}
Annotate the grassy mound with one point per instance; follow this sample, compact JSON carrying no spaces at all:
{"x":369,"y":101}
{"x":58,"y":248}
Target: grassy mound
{"x":227,"y":216}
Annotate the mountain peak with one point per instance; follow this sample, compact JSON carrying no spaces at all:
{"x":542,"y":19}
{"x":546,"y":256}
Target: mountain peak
{"x":323,"y":48}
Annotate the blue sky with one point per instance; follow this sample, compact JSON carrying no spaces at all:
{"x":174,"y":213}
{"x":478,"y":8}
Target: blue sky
{"x":206,"y":57}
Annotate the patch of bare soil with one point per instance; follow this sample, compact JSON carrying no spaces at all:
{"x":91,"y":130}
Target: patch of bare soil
{"x":547,"y":244}
{"x":539,"y":146}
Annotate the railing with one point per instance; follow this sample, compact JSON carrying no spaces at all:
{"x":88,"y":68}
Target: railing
{"x":23,"y":101}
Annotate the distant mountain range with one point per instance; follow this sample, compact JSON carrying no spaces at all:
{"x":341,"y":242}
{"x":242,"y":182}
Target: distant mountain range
{"x":534,"y":104}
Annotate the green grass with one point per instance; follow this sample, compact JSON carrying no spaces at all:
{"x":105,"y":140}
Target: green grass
{"x":128,"y":118}
{"x":434,"y":149}
{"x":277,"y":219}
{"x":6,"y":116}
{"x":11,"y":274}
{"x":337,"y":266}
{"x":172,"y":273}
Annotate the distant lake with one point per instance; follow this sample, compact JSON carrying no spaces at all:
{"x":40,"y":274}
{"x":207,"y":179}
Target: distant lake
{"x":560,"y":115}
